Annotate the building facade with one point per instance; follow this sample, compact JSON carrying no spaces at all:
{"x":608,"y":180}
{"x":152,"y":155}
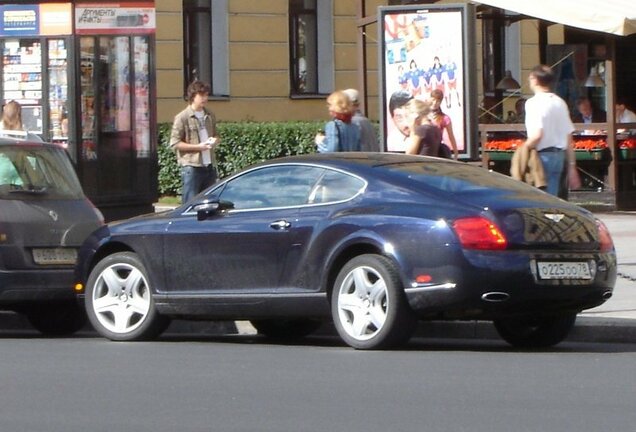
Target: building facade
{"x":278,"y":60}
{"x":267,"y":61}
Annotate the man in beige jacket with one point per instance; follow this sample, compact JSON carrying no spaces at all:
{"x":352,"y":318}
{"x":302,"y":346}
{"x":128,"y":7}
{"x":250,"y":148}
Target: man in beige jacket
{"x":194,"y":138}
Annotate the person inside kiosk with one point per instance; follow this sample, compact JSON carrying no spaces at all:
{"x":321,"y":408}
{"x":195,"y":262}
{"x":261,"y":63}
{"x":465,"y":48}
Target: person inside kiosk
{"x":11,"y":123}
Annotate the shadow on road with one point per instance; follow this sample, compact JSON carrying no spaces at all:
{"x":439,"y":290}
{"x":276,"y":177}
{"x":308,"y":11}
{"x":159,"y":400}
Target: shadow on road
{"x":325,"y":337}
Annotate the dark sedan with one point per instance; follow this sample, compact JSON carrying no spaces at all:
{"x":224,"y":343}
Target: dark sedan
{"x":374,"y":242}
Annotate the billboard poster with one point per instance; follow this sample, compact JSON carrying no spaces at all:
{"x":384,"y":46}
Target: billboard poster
{"x":19,"y":20}
{"x":35,"y":19}
{"x":105,"y":18}
{"x":428,"y":53}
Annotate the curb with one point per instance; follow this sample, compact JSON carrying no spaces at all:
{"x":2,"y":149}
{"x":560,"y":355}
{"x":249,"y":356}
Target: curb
{"x":587,"y":329}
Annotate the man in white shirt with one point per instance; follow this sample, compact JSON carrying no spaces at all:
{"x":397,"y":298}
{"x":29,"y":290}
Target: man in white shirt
{"x":549,"y":130}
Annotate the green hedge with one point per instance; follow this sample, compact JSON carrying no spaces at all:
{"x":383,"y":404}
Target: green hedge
{"x":242,"y":144}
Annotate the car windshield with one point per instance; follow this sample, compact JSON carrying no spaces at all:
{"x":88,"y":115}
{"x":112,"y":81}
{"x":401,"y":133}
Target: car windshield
{"x":36,"y":172}
{"x":456,"y":178}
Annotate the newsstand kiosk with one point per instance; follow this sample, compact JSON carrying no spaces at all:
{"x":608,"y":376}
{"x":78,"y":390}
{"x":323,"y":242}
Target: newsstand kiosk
{"x":84,"y":76}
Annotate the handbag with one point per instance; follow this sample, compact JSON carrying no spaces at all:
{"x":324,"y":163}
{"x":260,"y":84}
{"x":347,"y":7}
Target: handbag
{"x":444,"y":151}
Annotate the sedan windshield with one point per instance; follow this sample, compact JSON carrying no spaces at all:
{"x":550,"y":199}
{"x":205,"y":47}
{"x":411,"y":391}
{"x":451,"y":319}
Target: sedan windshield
{"x":37,"y":172}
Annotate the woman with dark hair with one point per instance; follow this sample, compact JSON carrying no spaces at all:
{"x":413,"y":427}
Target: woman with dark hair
{"x":414,"y":74}
{"x":443,"y":122}
{"x":437,"y":75}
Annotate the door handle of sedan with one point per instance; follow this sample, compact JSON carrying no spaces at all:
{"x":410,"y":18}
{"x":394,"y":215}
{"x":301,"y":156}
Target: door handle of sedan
{"x":280,"y":225}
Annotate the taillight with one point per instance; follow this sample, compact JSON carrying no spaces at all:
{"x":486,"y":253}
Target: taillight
{"x":605,"y":239}
{"x":479,"y":233}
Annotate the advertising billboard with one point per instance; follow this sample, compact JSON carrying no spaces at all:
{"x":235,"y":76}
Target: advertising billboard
{"x":124,"y":18}
{"x":426,"y":51}
{"x":35,"y":19}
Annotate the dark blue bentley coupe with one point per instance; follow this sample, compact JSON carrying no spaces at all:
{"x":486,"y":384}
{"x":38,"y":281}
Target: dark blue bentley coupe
{"x":374,"y":242}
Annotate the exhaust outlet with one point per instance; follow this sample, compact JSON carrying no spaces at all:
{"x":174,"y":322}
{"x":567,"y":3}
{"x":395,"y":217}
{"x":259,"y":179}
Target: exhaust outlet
{"x":495,"y":297}
{"x":606,"y":295}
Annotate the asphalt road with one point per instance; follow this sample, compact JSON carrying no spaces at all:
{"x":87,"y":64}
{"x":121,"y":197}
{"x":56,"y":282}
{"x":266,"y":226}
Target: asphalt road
{"x":244,"y":383}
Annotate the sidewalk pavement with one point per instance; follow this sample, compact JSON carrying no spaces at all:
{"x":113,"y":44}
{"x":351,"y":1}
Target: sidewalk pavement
{"x":613,"y":321}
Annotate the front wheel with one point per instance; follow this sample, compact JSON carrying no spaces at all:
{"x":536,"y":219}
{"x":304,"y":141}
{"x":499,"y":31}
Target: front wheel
{"x":535,"y":332}
{"x":368,"y":304}
{"x":119,"y":300}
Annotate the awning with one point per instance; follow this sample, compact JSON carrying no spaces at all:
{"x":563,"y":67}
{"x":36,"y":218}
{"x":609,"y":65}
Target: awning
{"x":609,"y":16}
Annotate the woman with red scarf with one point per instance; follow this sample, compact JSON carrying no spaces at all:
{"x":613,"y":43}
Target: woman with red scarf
{"x":340,"y":134}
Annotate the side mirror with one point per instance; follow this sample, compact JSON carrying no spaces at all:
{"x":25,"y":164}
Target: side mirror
{"x":206,"y":209}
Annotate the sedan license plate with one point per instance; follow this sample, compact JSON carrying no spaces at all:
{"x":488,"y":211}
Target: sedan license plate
{"x":55,"y":256}
{"x":564,"y":270}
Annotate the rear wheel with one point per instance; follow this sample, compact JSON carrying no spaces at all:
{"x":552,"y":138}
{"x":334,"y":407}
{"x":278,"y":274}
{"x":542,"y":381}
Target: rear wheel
{"x":535,"y":332}
{"x":368,"y":304}
{"x":56,"y":318}
{"x":119,"y":301}
{"x":286,"y":328}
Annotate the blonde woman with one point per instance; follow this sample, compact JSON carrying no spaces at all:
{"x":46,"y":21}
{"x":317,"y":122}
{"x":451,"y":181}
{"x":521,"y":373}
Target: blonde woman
{"x":339,"y":134}
{"x":11,"y":116}
{"x":425,"y":137}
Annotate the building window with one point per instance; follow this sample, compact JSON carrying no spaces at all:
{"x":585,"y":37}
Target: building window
{"x":311,"y":47}
{"x":205,"y":40}
{"x":197,"y":40}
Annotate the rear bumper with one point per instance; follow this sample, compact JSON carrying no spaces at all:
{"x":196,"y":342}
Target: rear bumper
{"x":17,"y":286}
{"x":484,"y":288}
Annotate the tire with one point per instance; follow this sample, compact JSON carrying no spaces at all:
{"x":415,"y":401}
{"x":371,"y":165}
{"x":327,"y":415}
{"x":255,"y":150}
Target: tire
{"x":368,"y":304}
{"x":119,"y":301}
{"x":286,"y":329}
{"x":56,"y":318}
{"x":535,"y":332}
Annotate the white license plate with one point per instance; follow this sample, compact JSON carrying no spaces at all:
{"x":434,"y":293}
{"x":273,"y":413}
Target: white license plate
{"x":55,"y":256}
{"x":564,"y":270}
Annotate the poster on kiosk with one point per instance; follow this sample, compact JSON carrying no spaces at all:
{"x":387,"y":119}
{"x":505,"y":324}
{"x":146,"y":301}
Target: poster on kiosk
{"x":115,"y":43}
{"x":428,"y":52}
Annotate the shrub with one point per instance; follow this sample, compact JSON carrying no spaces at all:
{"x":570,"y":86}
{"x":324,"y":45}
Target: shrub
{"x":242,"y":144}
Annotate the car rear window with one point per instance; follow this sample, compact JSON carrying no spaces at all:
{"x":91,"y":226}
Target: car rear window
{"x":30,"y":172}
{"x":456,"y":178}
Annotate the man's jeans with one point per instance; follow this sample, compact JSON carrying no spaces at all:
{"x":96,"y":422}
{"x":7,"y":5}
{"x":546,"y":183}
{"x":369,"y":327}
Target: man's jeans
{"x":553,"y":165}
{"x":195,"y":180}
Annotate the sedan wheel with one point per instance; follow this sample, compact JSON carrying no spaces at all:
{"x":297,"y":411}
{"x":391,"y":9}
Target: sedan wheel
{"x":535,"y":332}
{"x":119,"y":300}
{"x":368,"y":304}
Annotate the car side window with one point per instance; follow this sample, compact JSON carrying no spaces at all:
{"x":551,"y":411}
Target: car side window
{"x":8,"y":172}
{"x":280,"y":186}
{"x":335,"y":186}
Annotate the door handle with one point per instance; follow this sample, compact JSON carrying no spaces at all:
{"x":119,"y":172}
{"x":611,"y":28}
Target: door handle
{"x":280,"y":225}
